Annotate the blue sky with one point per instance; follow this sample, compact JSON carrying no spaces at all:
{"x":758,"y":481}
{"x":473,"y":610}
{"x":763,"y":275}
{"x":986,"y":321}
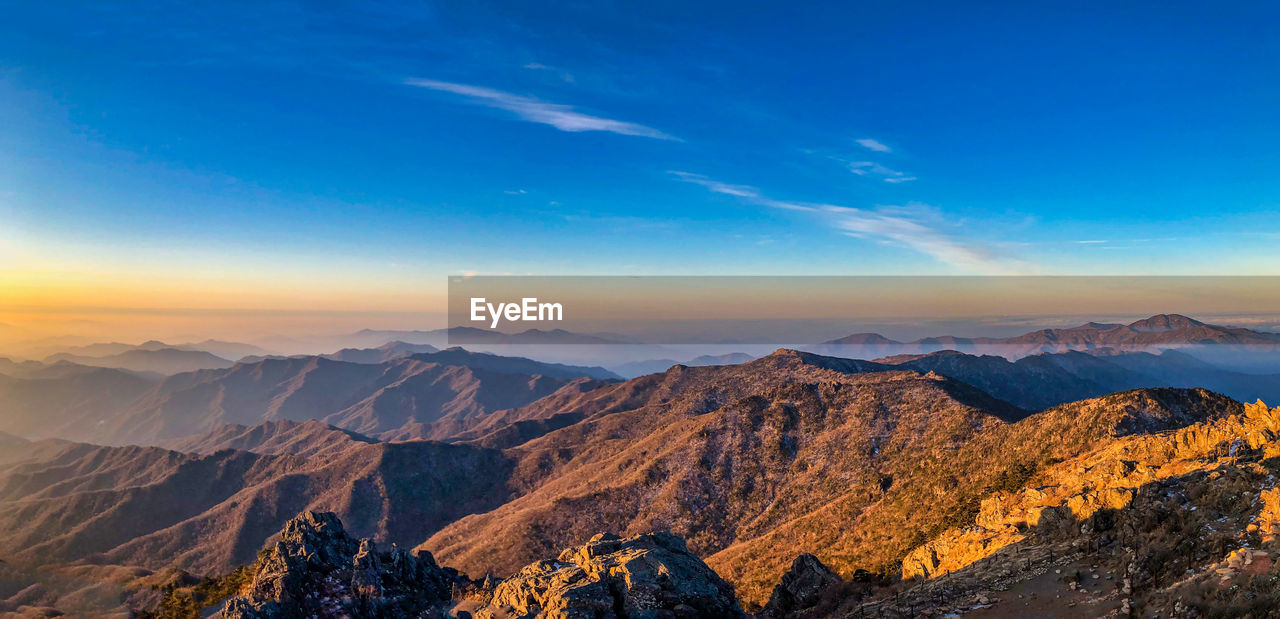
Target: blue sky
{"x":291,"y":149}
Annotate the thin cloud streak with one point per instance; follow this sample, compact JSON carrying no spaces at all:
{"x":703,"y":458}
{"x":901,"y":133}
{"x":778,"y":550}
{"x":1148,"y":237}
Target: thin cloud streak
{"x":562,"y":117}
{"x":741,"y":191}
{"x":862,"y":168}
{"x":915,"y":226}
{"x":875,"y":145}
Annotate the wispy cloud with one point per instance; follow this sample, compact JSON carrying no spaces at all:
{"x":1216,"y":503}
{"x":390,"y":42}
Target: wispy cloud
{"x":741,"y":191}
{"x":562,"y":117}
{"x":565,"y":76}
{"x":515,"y":192}
{"x":889,"y":175}
{"x":916,"y":226}
{"x":875,"y":145}
{"x":922,"y":228}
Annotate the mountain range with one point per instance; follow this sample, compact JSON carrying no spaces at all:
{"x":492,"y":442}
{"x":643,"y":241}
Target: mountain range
{"x":1157,"y":332}
{"x":1047,"y":379}
{"x":221,"y":348}
{"x":794,"y":484}
{"x":420,"y":396}
{"x":633,"y":369}
{"x":163,"y":361}
{"x":751,"y":464}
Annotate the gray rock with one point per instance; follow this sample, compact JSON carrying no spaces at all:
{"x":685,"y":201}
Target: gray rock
{"x":316,"y":569}
{"x":801,"y":587}
{"x":651,"y":575}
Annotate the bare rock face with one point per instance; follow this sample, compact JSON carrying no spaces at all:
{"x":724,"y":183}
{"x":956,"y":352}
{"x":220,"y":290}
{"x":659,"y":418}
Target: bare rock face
{"x":802,"y":587}
{"x":1108,"y":478}
{"x":316,"y":569}
{"x":651,"y":575}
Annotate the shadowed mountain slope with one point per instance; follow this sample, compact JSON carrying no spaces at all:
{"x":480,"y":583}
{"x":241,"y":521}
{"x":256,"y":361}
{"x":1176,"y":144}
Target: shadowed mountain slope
{"x":152,"y":507}
{"x":75,"y":403}
{"x":1043,"y":380}
{"x":382,"y":354}
{"x":308,"y":439}
{"x":428,"y":396}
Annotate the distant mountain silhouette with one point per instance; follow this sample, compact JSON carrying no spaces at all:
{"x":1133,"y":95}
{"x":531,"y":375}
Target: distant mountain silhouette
{"x":1048,"y":379}
{"x":471,"y":335}
{"x":497,"y":362}
{"x":1160,"y":331}
{"x":530,"y":336}
{"x":382,"y":354}
{"x":864,"y":339}
{"x":220,"y":348}
{"x":103,"y":349}
{"x":429,"y":395}
{"x":19,"y":369}
{"x":67,"y":369}
{"x":225,"y":349}
{"x":640,"y":368}
{"x":158,"y":360}
{"x":519,"y":365}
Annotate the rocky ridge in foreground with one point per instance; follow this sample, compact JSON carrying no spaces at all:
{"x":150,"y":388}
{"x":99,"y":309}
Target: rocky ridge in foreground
{"x":316,"y":570}
{"x":649,"y":575}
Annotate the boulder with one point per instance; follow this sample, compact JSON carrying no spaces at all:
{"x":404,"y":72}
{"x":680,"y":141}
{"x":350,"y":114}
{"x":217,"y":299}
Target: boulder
{"x":650,"y":575}
{"x":802,"y":587}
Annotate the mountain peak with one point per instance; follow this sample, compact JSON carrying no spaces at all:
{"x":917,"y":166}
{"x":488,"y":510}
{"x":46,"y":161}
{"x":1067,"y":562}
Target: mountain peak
{"x":1165,"y":322}
{"x":863,"y":339}
{"x":786,"y":353}
{"x":1095,"y":326}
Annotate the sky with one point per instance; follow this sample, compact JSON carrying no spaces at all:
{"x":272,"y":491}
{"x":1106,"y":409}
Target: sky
{"x":161,"y":164}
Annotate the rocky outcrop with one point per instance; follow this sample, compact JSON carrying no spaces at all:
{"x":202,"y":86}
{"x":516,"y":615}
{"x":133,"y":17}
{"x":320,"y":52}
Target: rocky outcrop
{"x":650,"y":575}
{"x":316,"y":569}
{"x":801,"y":588}
{"x":1107,"y":479}
{"x":1267,"y":524}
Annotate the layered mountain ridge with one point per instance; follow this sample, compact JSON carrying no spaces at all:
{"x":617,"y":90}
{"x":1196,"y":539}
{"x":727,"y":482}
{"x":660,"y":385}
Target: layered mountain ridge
{"x":812,"y":484}
{"x":1156,"y":332}
{"x":429,"y":395}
